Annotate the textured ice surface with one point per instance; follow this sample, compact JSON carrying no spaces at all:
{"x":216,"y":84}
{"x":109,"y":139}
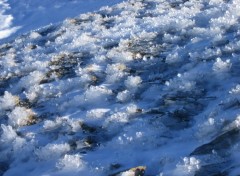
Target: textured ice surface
{"x":150,"y":83}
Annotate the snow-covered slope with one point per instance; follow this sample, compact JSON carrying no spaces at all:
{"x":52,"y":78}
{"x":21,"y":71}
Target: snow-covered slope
{"x":6,"y":28}
{"x":150,"y":83}
{"x":17,"y":17}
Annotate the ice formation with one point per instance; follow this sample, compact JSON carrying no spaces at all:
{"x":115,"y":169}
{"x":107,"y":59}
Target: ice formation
{"x":150,"y":83}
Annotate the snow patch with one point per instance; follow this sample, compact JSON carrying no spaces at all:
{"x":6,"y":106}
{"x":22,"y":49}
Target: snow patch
{"x":6,"y":21}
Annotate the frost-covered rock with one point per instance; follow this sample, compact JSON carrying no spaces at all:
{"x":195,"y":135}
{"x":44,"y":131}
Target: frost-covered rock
{"x":8,"y":101}
{"x":21,"y":116}
{"x":188,"y":167}
{"x":52,"y":151}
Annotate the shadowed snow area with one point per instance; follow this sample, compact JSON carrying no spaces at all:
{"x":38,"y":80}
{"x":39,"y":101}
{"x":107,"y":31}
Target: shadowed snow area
{"x":6,"y":28}
{"x":144,"y":83}
{"x":21,"y":16}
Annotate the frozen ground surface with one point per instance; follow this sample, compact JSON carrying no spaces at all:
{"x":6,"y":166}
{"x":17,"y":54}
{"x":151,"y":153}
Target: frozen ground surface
{"x":17,"y":17}
{"x":150,"y":83}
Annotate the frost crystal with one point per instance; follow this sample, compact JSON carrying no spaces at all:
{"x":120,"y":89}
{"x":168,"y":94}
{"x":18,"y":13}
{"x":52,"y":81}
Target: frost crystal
{"x":221,"y":66}
{"x":52,"y":151}
{"x":188,"y":168}
{"x":70,"y":162}
{"x":133,"y":82}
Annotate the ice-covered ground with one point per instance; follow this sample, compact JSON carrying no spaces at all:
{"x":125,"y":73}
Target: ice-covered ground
{"x":151,"y":83}
{"x":17,"y":17}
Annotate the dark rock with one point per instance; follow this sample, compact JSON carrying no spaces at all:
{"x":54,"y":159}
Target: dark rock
{"x":220,"y":144}
{"x":32,"y":47}
{"x":87,"y":128}
{"x":115,"y":166}
{"x":216,"y":169}
{"x":177,"y":4}
{"x":47,"y":30}
{"x":25,"y":103}
{"x":136,"y":171}
{"x":90,"y":142}
{"x":3,"y":168}
{"x":181,"y":114}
